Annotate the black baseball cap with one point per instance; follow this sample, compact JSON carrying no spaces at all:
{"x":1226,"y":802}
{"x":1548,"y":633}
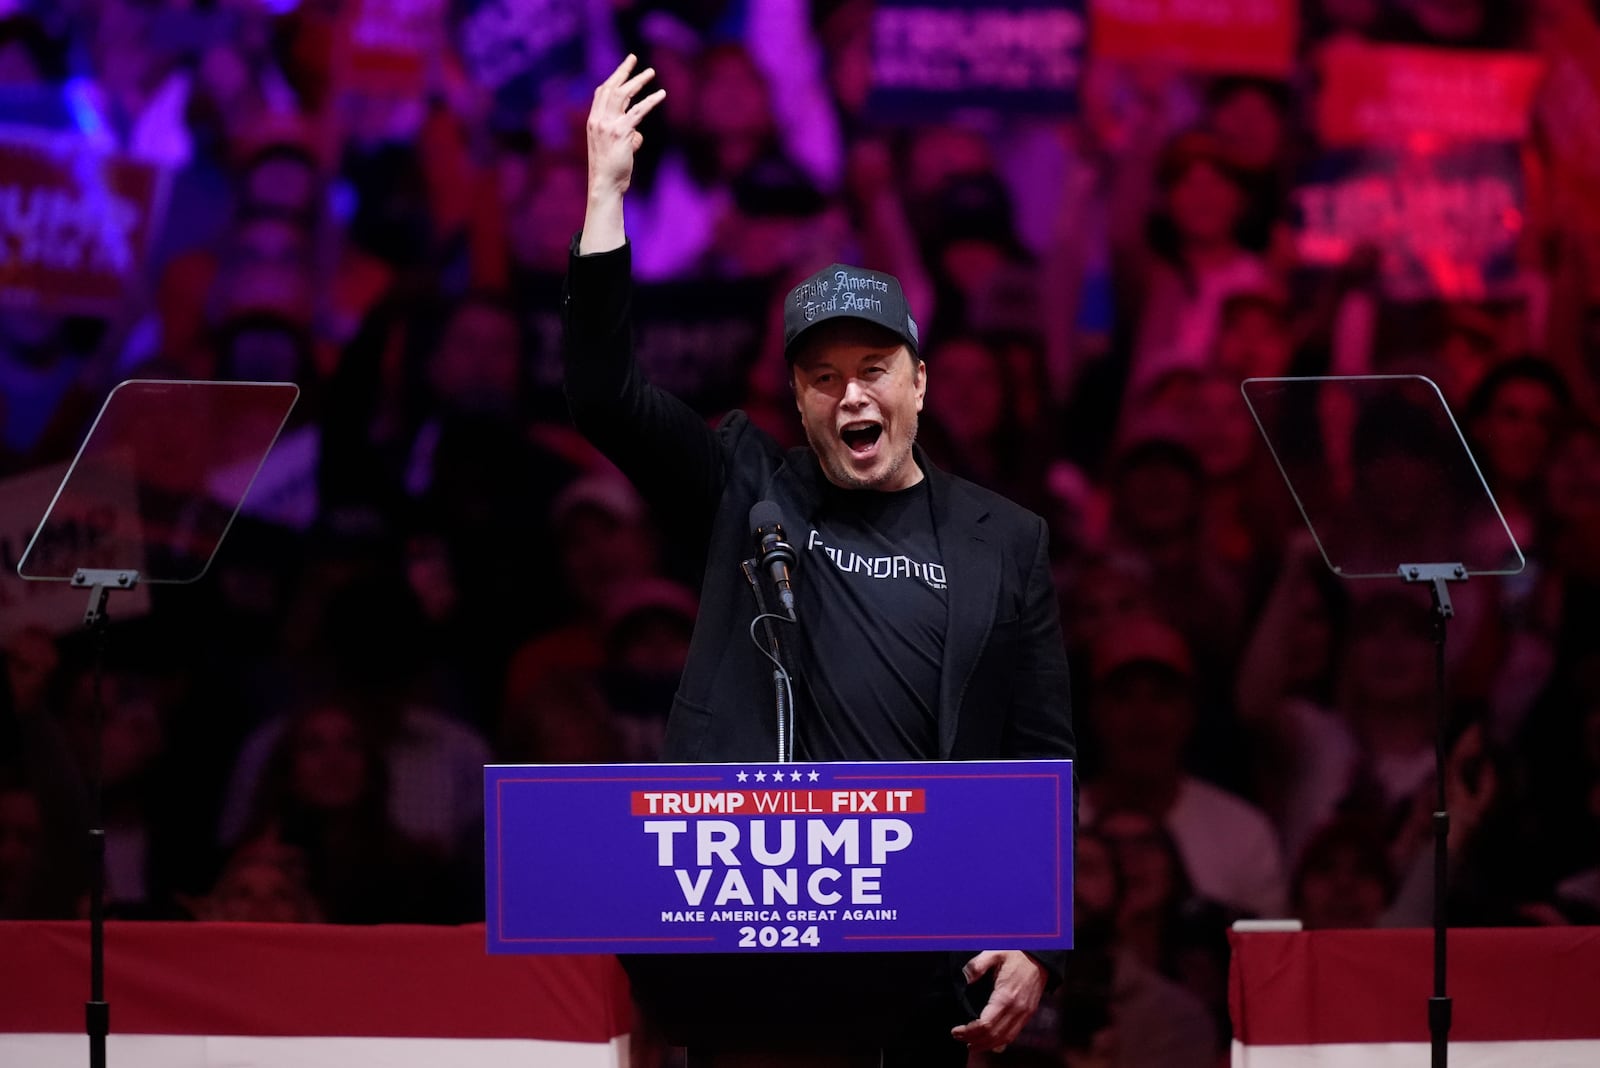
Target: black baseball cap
{"x":843,"y":292}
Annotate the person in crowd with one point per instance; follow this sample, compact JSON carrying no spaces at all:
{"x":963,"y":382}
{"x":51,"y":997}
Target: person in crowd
{"x":264,"y":881}
{"x":1371,"y":750}
{"x":969,"y":240}
{"x":1196,"y":257}
{"x":1464,"y":346}
{"x":1514,"y":418}
{"x":1578,"y":894}
{"x":1112,"y":1010}
{"x":733,"y":127}
{"x":776,"y":223}
{"x":562,"y":717}
{"x":364,"y":637}
{"x":45,"y":358}
{"x":646,"y":643}
{"x":1291,"y":655}
{"x":1142,"y":714}
{"x":844,"y":29}
{"x":1202,"y":410}
{"x":1254,"y":337}
{"x":541,"y":195}
{"x":38,"y":880}
{"x":973,"y":426}
{"x":1251,"y":118}
{"x":1344,"y":878}
{"x":1572,"y":501}
{"x":1158,"y":490}
{"x":1108,"y":587}
{"x":606,"y":544}
{"x":1560,"y":817}
{"x":267,"y":257}
{"x":155,"y":843}
{"x":1166,"y":929}
{"x":473,"y":372}
{"x":325,"y":794}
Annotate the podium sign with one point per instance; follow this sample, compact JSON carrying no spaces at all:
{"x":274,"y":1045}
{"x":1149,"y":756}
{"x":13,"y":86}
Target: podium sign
{"x":800,"y":857}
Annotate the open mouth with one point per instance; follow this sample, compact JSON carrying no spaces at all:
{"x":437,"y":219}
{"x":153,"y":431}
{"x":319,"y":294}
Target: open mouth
{"x":860,"y":438}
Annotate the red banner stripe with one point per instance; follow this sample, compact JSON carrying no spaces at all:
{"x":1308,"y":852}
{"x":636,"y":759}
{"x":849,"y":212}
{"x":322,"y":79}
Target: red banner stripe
{"x":1373,"y":986}
{"x":272,"y":979}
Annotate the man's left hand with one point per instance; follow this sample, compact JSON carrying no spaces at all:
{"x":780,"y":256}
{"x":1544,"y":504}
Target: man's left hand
{"x":1018,"y":984}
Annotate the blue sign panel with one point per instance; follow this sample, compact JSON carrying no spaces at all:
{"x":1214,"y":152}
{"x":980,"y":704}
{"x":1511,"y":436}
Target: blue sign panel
{"x":932,"y":58}
{"x":824,"y":857}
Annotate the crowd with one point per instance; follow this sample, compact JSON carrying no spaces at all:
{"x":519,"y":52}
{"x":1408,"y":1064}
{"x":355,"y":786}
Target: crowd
{"x":459,"y":579}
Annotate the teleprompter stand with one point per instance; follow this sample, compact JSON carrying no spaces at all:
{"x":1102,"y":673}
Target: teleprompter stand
{"x":1438,"y":578}
{"x":148,"y":499}
{"x":96,"y":1012}
{"x":1389,"y":489}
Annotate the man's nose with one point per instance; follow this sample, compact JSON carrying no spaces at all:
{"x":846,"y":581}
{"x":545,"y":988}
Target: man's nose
{"x":855,"y":394}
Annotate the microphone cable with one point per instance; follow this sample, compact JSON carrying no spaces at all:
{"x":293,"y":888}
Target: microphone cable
{"x":783,"y":684}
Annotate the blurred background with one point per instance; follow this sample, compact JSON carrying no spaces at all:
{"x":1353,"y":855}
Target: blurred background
{"x":1106,"y":214}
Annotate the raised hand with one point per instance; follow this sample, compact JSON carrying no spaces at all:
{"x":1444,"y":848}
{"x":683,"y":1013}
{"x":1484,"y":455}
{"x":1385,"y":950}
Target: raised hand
{"x":613,"y":137}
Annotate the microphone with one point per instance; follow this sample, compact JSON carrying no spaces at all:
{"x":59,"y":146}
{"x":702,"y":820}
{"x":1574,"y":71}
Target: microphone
{"x":776,"y":555}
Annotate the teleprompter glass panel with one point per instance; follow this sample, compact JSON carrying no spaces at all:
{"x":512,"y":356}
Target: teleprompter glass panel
{"x":1382,"y":474}
{"x":159,"y":479}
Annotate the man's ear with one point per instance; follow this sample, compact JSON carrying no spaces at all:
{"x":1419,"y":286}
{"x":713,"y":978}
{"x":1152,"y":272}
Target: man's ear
{"x":921,"y":381}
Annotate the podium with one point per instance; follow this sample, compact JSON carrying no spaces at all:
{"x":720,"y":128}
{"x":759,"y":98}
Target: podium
{"x":776,"y":901}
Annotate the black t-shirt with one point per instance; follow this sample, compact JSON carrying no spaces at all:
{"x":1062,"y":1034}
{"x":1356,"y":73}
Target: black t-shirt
{"x":872,"y":600}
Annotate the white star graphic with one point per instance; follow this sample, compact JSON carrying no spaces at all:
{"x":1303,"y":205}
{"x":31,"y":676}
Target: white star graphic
{"x":742,"y":776}
{"x":813,"y":777}
{"x":777,"y":776}
{"x":794,"y":776}
{"x":761,"y":776}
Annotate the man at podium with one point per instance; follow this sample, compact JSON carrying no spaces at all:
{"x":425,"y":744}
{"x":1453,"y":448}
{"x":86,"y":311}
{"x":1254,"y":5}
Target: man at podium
{"x":924,"y":623}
